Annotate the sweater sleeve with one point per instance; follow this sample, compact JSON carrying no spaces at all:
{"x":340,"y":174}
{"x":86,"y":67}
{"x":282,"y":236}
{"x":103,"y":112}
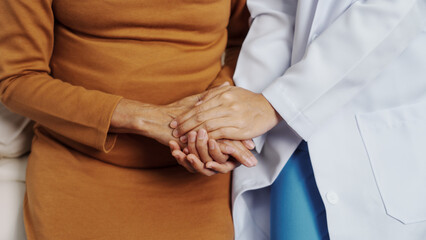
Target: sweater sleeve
{"x":26,"y":84}
{"x":237,"y":30}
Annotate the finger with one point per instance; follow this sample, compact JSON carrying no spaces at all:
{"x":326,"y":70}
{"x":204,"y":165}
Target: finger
{"x":212,"y":119}
{"x":249,"y":144}
{"x":206,"y":105}
{"x":179,"y":155}
{"x":186,"y":151}
{"x":227,"y":133}
{"x":222,"y":167}
{"x":215,"y":153}
{"x":191,"y":100}
{"x":192,"y":136}
{"x":198,"y":99}
{"x":201,"y":145}
{"x":173,"y":145}
{"x":181,"y":159}
{"x":183,"y":139}
{"x":199,"y":166}
{"x":247,"y":154}
{"x":241,"y":153}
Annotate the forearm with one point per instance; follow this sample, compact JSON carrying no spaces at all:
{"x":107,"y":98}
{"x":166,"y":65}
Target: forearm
{"x":28,"y":88}
{"x":73,"y":112}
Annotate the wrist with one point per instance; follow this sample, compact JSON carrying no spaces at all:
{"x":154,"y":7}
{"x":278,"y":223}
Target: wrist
{"x":273,"y":116}
{"x":129,"y":116}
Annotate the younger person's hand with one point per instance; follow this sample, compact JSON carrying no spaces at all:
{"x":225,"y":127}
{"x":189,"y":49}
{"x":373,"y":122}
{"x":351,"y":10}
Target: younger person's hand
{"x":228,"y":113}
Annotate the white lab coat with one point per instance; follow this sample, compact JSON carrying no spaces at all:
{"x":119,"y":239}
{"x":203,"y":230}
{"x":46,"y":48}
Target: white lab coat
{"x":349,"y":77}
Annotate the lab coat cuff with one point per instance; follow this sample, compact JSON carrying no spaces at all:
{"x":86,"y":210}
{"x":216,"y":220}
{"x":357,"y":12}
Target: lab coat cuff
{"x":295,"y":118}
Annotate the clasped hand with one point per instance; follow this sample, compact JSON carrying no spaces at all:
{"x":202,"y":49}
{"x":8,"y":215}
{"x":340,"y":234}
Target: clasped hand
{"x":208,"y":128}
{"x":222,"y":113}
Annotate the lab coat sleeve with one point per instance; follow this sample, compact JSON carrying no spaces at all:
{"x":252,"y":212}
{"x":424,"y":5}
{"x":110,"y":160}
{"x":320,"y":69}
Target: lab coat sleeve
{"x":266,"y":51}
{"x":343,"y":59}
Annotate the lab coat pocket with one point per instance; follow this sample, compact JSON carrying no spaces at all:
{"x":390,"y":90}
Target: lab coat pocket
{"x":395,"y":140}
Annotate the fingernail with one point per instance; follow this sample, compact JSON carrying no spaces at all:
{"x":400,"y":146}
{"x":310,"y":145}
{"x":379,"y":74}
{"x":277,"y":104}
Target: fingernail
{"x":192,"y":137}
{"x":198,"y":103}
{"x":209,"y":165}
{"x":173,"y":124}
{"x":251,"y":144}
{"x":202,"y":134}
{"x":211,"y":145}
{"x":175,"y":133}
{"x":224,"y":84}
{"x":183,"y":139}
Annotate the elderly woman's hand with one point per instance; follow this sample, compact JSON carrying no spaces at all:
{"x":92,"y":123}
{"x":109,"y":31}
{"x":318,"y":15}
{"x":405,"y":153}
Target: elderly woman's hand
{"x":208,"y":157}
{"x":208,"y":150}
{"x":149,"y":120}
{"x":230,"y":113}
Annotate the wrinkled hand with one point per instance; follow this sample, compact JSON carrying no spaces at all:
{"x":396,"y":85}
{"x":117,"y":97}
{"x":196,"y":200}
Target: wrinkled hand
{"x":149,"y":120}
{"x":228,"y":113}
{"x":208,"y":157}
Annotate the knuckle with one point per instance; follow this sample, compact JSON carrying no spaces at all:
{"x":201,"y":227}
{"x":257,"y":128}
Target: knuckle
{"x":227,"y":96}
{"x":235,"y":107}
{"x":199,"y":109}
{"x":199,"y":117}
{"x":209,"y":125}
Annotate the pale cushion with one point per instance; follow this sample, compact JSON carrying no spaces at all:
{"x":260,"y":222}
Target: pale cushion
{"x":15,"y":133}
{"x":11,"y":205}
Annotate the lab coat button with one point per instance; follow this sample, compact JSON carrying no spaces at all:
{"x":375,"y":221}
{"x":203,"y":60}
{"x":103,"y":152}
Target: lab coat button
{"x":332,"y":198}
